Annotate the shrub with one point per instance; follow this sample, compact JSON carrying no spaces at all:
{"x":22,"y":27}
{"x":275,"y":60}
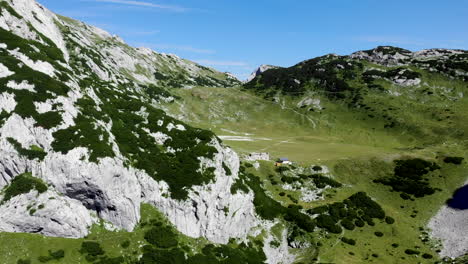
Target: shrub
{"x":348,"y":241}
{"x":226,"y":169}
{"x":454,"y":160}
{"x":321,"y":181}
{"x":389,"y":220}
{"x":318,"y":210}
{"x":24,"y":183}
{"x":359,"y":223}
{"x":91,"y":248}
{"x":378,"y":234}
{"x":161,"y":237}
{"x":33,"y":153}
{"x":327,"y":222}
{"x":408,"y":178}
{"x":125,"y":244}
{"x":53,"y":255}
{"x":412,"y":252}
{"x":23,"y":261}
{"x":347,"y":223}
{"x":427,"y":256}
{"x":317,"y":168}
{"x":239,"y":185}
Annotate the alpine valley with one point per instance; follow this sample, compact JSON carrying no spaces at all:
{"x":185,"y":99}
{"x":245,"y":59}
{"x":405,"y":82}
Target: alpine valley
{"x":114,"y":154}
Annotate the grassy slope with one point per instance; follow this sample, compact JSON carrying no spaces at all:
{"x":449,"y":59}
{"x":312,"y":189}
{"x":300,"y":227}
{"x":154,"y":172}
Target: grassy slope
{"x":356,"y":147}
{"x":30,"y":246}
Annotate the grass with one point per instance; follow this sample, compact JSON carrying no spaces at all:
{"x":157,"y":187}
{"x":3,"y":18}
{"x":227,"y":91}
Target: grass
{"x":32,"y":246}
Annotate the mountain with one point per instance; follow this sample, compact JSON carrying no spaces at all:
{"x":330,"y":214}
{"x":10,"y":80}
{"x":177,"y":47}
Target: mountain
{"x":115,"y":154}
{"x":260,"y":70}
{"x":83,"y":141}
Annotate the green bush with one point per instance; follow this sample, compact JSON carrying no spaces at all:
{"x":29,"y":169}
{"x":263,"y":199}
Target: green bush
{"x":348,"y":224}
{"x":427,"y":256}
{"x":322,"y":181}
{"x":348,"y":241}
{"x":125,"y":244}
{"x":389,"y":220}
{"x":317,"y":168}
{"x":91,"y":248}
{"x":327,"y":222}
{"x":24,"y":183}
{"x":161,"y":237}
{"x":33,"y":153}
{"x":378,"y":234}
{"x":408,"y":178}
{"x":359,"y":223}
{"x":412,"y":252}
{"x":23,"y":261}
{"x":454,"y":160}
{"x":226,"y":169}
{"x":53,"y":255}
{"x":48,"y":120}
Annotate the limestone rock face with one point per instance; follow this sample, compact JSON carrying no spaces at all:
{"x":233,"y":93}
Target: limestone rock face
{"x":48,"y":214}
{"x":450,"y":226}
{"x":211,"y":210}
{"x":108,"y":188}
{"x":263,"y":68}
{"x":385,"y":55}
{"x":254,"y":156}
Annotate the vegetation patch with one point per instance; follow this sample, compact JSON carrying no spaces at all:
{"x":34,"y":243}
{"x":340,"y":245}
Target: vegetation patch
{"x":23,"y":183}
{"x":409,"y":178}
{"x":357,"y":210}
{"x":454,"y":160}
{"x":53,"y":255}
{"x":34,"y":152}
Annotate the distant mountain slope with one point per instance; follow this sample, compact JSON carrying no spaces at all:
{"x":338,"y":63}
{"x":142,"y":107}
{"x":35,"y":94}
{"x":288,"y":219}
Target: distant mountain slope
{"x":407,"y":93}
{"x":333,"y":73}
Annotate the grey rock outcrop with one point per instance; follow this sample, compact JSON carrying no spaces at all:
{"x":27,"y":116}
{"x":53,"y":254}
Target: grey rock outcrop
{"x":263,"y":68}
{"x":211,"y":210}
{"x":48,"y":214}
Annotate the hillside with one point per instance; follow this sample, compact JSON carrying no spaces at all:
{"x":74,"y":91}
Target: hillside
{"x":115,"y":154}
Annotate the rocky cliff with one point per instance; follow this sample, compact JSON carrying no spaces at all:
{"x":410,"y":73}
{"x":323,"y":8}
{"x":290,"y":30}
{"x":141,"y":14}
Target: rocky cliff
{"x":79,"y":111}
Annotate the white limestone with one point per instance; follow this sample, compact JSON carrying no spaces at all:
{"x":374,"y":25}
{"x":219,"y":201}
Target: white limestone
{"x":4,"y":71}
{"x":60,"y":217}
{"x":7,"y":102}
{"x":24,"y":85}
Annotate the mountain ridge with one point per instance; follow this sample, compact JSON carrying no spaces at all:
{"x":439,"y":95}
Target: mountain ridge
{"x":116,"y":147}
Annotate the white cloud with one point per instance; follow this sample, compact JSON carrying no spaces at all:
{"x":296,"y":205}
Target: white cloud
{"x":143,"y":4}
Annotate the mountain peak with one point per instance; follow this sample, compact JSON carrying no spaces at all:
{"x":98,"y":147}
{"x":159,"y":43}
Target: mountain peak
{"x":261,"y":69}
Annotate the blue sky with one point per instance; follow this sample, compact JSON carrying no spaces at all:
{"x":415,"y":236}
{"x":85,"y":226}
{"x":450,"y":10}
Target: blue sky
{"x":239,"y":35}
